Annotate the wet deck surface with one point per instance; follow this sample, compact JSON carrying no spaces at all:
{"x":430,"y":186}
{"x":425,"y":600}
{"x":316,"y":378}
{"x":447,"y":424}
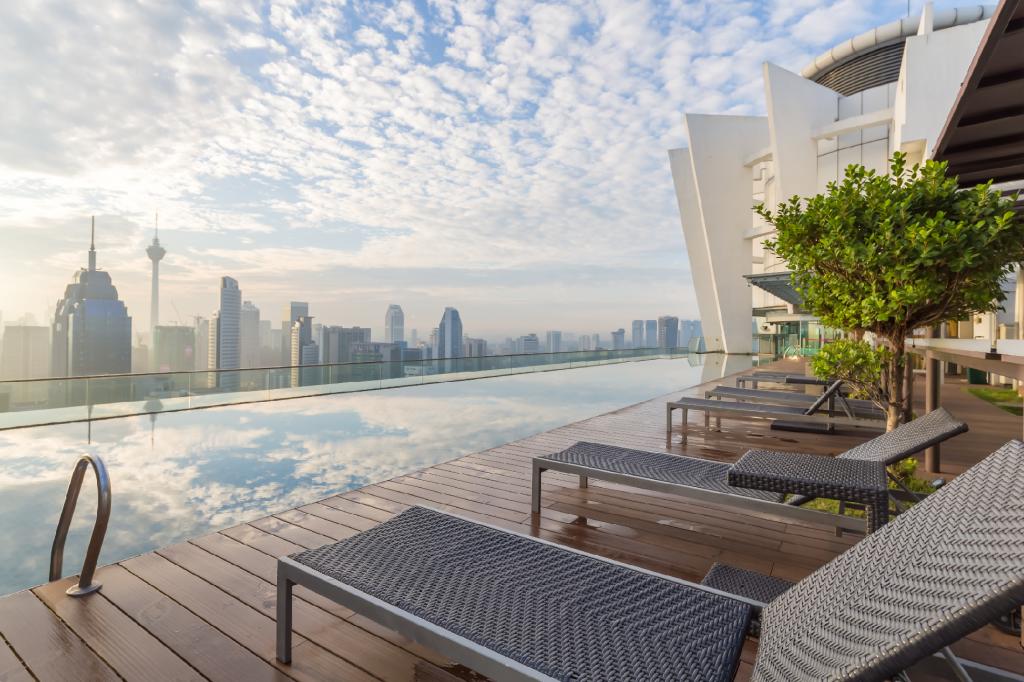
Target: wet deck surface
{"x":204,"y":609}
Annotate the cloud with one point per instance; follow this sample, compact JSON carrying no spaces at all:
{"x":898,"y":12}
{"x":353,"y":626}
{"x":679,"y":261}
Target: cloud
{"x":460,"y":134}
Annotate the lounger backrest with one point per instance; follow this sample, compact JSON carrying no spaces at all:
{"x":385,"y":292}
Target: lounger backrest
{"x":936,"y":573}
{"x":909,"y":438}
{"x":832,"y":389}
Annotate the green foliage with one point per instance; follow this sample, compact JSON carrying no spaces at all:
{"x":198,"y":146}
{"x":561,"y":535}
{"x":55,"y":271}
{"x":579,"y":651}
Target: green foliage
{"x":888,"y":253}
{"x":855,"y":362}
{"x":1005,"y":399}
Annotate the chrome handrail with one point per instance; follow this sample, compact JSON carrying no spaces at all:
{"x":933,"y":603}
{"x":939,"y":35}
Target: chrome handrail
{"x":85,"y":584}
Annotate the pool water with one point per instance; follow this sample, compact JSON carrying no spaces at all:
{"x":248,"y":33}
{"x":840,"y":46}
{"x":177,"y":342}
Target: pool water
{"x":179,"y":475}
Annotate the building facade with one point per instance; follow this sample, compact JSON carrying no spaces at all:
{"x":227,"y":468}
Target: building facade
{"x":291,"y":312}
{"x":336,"y":342}
{"x":474,"y":348}
{"x":554,"y":342}
{"x":619,"y":339}
{"x":887,"y":90}
{"x":528,"y":344}
{"x":249,"y":326}
{"x":174,"y":348}
{"x":225,"y":334}
{"x":637,"y":337}
{"x":668,"y":332}
{"x":651,"y":333}
{"x":92,"y":331}
{"x":394,"y":324}
{"x":449,"y":335}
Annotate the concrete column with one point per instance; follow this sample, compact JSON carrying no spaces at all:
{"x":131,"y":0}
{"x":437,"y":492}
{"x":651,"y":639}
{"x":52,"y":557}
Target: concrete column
{"x":932,"y":389}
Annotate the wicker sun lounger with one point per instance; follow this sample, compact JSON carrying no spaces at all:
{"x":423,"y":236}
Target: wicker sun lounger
{"x":810,"y":414}
{"x":851,"y":407}
{"x":514,"y":607}
{"x":708,"y":480}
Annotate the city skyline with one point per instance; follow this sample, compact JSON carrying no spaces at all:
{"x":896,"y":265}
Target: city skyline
{"x":487,"y":135}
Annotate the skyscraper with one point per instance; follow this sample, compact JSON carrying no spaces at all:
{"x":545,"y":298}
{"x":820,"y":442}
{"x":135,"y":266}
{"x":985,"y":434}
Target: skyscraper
{"x":202,"y":334}
{"x":449,"y":335}
{"x":292,"y":312}
{"x":249,"y":329}
{"x":554,"y":342}
{"x":619,"y":339}
{"x":225,"y":333}
{"x":394,"y":324}
{"x":92,"y":331}
{"x":651,"y":333}
{"x":337,"y":342}
{"x":474,"y":348}
{"x":175,"y":349}
{"x":25,"y":355}
{"x":305,"y":351}
{"x":156,"y":254}
{"x":638,"y":334}
{"x":528,"y":344}
{"x":668,"y":331}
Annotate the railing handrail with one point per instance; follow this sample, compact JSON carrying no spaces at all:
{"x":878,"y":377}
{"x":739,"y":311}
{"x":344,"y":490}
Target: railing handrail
{"x":85,"y":584}
{"x":655,"y":350}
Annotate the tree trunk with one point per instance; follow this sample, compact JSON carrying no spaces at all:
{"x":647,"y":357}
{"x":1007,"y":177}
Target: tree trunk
{"x":892,"y":382}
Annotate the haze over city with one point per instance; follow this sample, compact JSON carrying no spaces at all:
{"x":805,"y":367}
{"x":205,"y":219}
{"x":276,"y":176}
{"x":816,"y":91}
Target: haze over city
{"x":507,"y":159}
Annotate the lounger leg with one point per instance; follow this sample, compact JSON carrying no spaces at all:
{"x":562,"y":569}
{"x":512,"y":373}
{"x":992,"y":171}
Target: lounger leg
{"x":284,"y":617}
{"x":535,"y":493}
{"x":686,"y":419}
{"x":668,"y":426}
{"x":583,"y":482}
{"x":958,"y":669}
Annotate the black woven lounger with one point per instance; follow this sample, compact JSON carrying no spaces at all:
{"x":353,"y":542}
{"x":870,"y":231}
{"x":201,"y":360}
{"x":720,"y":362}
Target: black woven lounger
{"x":864,"y":409}
{"x":793,"y":415}
{"x":513,"y":607}
{"x":707,"y":480}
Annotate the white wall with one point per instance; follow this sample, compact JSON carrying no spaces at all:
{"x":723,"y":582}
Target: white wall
{"x":719,"y":146}
{"x":934,"y":66}
{"x":696,"y":244}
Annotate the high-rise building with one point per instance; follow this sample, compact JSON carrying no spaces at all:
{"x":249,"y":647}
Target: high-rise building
{"x":474,"y":348}
{"x":414,"y":339}
{"x":394,"y":324}
{"x":156,"y":254}
{"x":528,"y":344}
{"x":337,"y":342}
{"x":586,"y":342}
{"x":668,"y":331}
{"x":689,"y":330}
{"x":201,"y":329}
{"x":292,"y":312}
{"x":638,"y":334}
{"x":597,"y":341}
{"x":92,"y":331}
{"x":619,"y":339}
{"x":554,"y":342}
{"x":305,"y":351}
{"x":174,"y":349}
{"x":449,"y":335}
{"x":26,"y":352}
{"x":225,"y":333}
{"x":651,"y":333}
{"x":249,"y":326}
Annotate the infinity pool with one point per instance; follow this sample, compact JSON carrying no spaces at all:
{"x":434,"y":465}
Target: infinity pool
{"x":179,"y":475}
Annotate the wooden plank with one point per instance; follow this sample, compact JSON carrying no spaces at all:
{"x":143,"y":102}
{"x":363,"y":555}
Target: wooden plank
{"x":47,"y":646}
{"x":247,"y":626}
{"x":215,"y":655}
{"x":129,"y":649}
{"x":334,"y":634}
{"x":12,"y":669}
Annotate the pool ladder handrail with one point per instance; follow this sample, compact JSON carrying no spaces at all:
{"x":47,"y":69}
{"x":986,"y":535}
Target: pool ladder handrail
{"x":85,"y":584}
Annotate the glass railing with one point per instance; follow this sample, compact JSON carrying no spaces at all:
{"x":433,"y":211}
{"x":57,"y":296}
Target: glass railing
{"x":30,"y":402}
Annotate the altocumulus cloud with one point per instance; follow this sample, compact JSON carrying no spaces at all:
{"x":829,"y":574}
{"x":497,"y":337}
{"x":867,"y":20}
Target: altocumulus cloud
{"x":331,"y":145}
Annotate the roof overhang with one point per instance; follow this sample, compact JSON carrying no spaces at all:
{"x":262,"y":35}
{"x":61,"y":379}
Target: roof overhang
{"x":779,"y":284}
{"x":983,"y":138}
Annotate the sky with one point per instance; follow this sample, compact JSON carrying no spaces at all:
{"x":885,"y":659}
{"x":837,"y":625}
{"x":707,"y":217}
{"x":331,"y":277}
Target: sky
{"x":506,"y":158}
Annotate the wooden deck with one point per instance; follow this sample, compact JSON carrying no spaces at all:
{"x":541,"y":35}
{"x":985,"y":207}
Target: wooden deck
{"x":204,"y":609}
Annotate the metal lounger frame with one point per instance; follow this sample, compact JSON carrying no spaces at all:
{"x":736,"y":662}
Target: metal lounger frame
{"x":772,"y":510}
{"x":481,"y":659}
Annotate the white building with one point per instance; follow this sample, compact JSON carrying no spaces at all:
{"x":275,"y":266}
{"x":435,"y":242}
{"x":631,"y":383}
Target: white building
{"x":225,"y":329}
{"x":554,"y":342}
{"x":394,"y":324}
{"x":887,"y":90}
{"x":249,"y":335}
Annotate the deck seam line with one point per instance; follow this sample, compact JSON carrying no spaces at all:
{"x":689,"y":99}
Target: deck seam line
{"x":24,"y":664}
{"x":80,"y":638}
{"x":212,"y":625}
{"x":305,"y":637}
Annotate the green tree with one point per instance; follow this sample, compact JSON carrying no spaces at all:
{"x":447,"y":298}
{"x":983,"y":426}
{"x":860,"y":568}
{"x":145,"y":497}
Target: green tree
{"x":890,"y":253}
